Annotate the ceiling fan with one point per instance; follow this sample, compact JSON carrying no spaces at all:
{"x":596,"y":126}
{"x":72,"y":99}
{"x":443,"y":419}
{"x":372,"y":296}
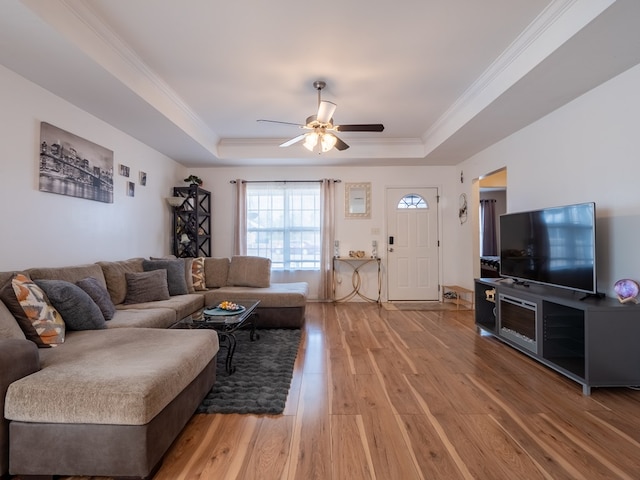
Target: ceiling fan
{"x":321,"y":128}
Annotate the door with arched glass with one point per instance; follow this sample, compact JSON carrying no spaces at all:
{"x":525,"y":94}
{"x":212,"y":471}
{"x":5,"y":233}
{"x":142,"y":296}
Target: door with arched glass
{"x":412,"y":244}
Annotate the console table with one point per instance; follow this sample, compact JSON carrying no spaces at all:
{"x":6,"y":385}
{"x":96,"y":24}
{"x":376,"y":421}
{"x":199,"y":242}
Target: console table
{"x":356,"y":281}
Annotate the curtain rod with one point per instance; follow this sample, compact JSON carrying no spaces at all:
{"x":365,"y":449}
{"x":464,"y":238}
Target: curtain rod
{"x":282,"y":181}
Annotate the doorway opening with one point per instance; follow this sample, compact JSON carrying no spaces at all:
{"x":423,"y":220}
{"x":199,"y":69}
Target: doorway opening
{"x":491,"y":202}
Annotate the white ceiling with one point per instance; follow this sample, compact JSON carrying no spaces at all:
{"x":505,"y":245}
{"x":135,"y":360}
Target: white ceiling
{"x":446,"y":77}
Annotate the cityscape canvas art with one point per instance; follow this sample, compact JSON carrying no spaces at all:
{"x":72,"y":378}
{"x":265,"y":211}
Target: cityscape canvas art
{"x":71,"y":165}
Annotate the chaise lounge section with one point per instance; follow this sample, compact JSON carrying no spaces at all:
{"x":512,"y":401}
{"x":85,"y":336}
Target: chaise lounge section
{"x":105,"y":402}
{"x":282,"y":305}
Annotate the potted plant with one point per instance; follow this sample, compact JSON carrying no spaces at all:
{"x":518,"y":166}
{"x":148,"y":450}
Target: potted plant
{"x":194,"y":180}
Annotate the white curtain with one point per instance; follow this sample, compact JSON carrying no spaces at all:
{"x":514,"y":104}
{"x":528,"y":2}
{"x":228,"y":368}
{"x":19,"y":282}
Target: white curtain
{"x":327,"y":237}
{"x":240,"y":230}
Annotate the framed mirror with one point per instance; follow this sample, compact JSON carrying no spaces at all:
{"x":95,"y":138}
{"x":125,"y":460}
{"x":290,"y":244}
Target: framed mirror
{"x":357,"y":202}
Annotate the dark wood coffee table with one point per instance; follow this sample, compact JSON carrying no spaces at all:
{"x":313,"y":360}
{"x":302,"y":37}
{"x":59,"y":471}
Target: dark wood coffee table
{"x":226,"y":323}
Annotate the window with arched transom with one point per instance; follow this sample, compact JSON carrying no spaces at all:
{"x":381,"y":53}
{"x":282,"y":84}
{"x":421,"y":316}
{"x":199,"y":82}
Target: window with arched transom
{"x":412,"y":200}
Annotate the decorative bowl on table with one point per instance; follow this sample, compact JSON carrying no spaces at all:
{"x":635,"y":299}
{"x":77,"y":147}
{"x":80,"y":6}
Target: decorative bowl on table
{"x":224,"y":309}
{"x":230,"y":306}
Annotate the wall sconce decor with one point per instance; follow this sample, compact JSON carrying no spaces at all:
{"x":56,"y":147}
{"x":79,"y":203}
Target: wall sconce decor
{"x":462,"y":210}
{"x":175,"y":202}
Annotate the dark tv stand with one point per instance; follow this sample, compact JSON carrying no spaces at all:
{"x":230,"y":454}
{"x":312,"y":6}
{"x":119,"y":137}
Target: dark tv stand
{"x":596,"y":295}
{"x":592,"y":340}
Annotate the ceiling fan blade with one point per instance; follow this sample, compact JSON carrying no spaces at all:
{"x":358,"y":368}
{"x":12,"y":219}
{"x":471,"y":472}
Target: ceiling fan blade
{"x":293,"y":140}
{"x":325,"y":111}
{"x":283,"y":123}
{"x":340,"y":145}
{"x":366,"y":127}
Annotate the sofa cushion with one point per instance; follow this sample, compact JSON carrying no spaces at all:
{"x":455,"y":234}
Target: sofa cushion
{"x":175,"y":273}
{"x":9,"y":327}
{"x":70,"y":274}
{"x":248,"y":271}
{"x":77,"y":308}
{"x":198,"y":274}
{"x":116,"y":282}
{"x":111,"y":376}
{"x":182,"y":305}
{"x":163,"y":317}
{"x":146,"y":286}
{"x":99,"y":295}
{"x":216,"y":271}
{"x":38,"y":319}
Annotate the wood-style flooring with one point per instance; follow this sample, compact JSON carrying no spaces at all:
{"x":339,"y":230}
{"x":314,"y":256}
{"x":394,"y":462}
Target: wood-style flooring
{"x":404,"y":395}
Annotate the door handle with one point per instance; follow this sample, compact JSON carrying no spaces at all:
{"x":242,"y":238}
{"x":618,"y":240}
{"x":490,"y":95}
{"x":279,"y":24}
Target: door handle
{"x":391,"y":249}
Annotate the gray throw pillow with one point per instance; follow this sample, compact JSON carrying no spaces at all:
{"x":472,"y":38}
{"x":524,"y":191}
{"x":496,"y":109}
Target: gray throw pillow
{"x":76,"y":307}
{"x":100,"y":295}
{"x":175,"y":274}
{"x":146,"y":286}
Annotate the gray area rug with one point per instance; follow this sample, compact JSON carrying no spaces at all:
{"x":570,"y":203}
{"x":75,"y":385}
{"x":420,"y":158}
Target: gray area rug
{"x":261,"y":382}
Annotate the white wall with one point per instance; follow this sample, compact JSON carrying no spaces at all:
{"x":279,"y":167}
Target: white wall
{"x":588,"y":150}
{"x":45,"y":229}
{"x":353,"y":234}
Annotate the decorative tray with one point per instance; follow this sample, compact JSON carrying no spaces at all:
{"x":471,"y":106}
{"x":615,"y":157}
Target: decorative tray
{"x":217,"y":311}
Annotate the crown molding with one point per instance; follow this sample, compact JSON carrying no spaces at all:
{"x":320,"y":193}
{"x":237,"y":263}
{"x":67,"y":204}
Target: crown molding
{"x":239,"y":148}
{"x":77,"y":21}
{"x":560,"y":20}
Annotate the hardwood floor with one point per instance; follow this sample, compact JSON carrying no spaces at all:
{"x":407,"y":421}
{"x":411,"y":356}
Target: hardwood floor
{"x":406,"y":395}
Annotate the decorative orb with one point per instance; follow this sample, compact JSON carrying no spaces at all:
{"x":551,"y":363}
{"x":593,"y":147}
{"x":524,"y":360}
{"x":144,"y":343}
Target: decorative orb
{"x":627,"y":290}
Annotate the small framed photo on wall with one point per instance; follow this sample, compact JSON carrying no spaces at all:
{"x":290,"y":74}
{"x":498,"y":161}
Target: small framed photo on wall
{"x":143,"y":178}
{"x":131,"y":189}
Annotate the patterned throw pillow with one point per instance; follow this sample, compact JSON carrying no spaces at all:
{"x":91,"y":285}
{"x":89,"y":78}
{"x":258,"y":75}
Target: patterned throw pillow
{"x":39,"y":320}
{"x":197,"y":271}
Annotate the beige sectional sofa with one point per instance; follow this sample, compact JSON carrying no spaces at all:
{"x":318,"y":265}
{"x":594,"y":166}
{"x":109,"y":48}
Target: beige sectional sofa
{"x":109,"y":400}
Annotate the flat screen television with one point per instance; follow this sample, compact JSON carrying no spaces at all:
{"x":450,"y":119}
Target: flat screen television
{"x":552,"y":246}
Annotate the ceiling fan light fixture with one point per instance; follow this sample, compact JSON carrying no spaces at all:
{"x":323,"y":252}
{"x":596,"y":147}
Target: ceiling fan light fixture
{"x":310,"y":141}
{"x":321,"y":124}
{"x":327,"y":142}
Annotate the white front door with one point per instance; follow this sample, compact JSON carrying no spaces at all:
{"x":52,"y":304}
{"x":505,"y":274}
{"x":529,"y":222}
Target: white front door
{"x":412,"y":244}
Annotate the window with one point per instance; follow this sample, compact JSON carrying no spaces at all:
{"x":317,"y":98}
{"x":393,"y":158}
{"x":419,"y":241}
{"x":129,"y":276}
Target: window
{"x":283,"y":224}
{"x":412,"y":201}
